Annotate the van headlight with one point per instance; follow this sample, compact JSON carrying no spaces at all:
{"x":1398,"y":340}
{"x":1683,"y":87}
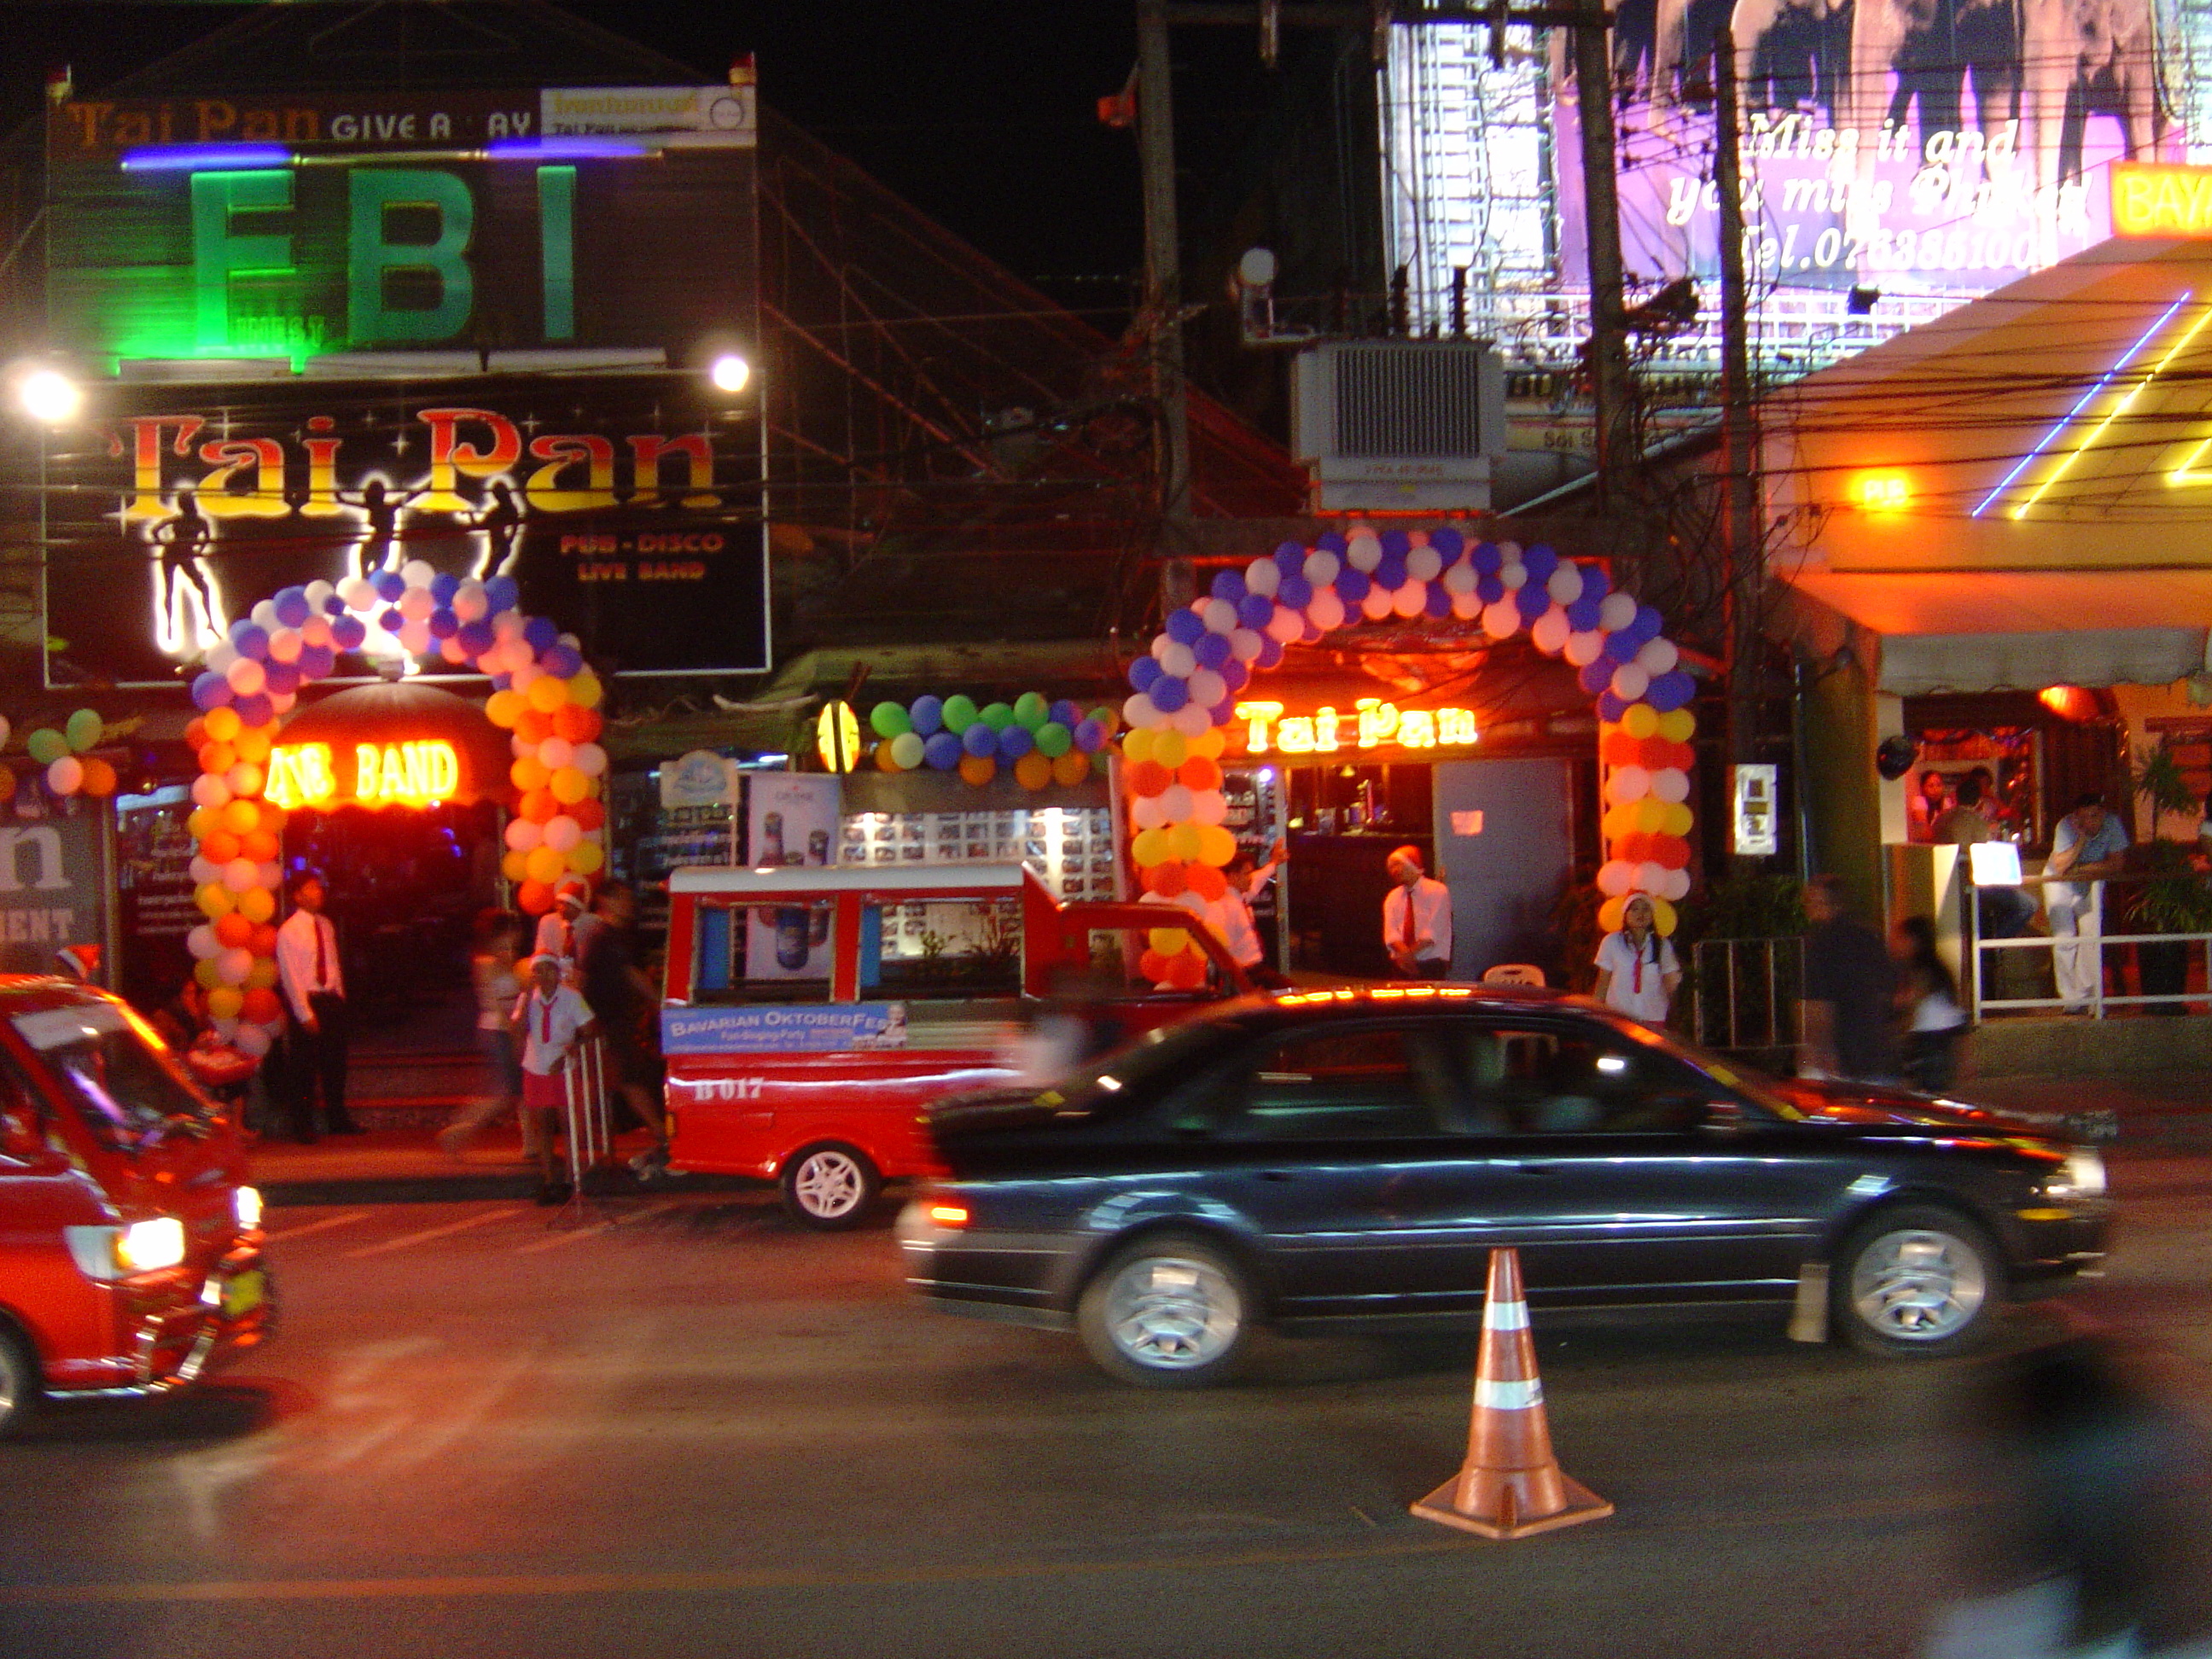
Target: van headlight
{"x":246,"y":1205}
{"x":2083,"y":1176}
{"x":108,"y":1253}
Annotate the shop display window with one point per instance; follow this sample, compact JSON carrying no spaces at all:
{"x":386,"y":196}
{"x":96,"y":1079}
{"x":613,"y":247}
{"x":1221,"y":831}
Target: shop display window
{"x":1071,"y":848}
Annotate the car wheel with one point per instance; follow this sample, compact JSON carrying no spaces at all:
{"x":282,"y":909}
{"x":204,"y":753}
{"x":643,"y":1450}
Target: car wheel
{"x":831,"y":1187}
{"x":1170,"y":1311}
{"x":1917,"y":1280}
{"x":20,"y":1384}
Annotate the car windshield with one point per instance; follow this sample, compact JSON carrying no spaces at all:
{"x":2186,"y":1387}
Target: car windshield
{"x":1120,"y":1076}
{"x":113,"y":1075}
{"x":1748,"y":1081}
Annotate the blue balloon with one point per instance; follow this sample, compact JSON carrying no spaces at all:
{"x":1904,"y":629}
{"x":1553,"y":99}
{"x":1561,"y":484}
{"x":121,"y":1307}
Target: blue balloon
{"x":1449,"y":544}
{"x":283,"y":677}
{"x":1595,"y":583}
{"x":979,"y":738}
{"x":348,"y":632}
{"x":1144,"y":672}
{"x":1294,"y":592}
{"x":563,"y":661}
{"x":316,"y":660}
{"x":256,"y":710}
{"x":942,"y":750}
{"x":210,"y":690}
{"x":1066,"y":712}
{"x":1235,"y":675}
{"x":292,"y":607}
{"x":334,"y":607}
{"x":1583,"y":614}
{"x":390,"y":620}
{"x":1016,"y":741}
{"x":1532,"y":600}
{"x":1351,"y":585}
{"x":1396,"y":544}
{"x":1488,"y":559}
{"x":1183,"y":627}
{"x":1594,"y":676}
{"x":476,"y":637}
{"x":1390,"y":573}
{"x":1648,"y":623}
{"x":389,"y":585}
{"x":1611,"y":707}
{"x":1437,"y":601}
{"x":1254,"y":611}
{"x":1542,"y":560}
{"x":927,"y":715}
{"x":1622,"y":646}
{"x":1229,"y":584}
{"x":1271,"y":652}
{"x":1090,"y":736}
{"x":250,"y":637}
{"x":1330,"y":542}
{"x":500,"y":593}
{"x":1212,"y":651}
{"x":444,"y":624}
{"x":1489,"y":589}
{"x":1222,"y":713}
{"x":541,"y":633}
{"x":1671,"y":690}
{"x":1169,"y":694}
{"x":443,"y":585}
{"x":1290,"y":557}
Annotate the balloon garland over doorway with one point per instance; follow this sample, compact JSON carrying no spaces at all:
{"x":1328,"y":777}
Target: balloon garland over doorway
{"x":540,"y":690}
{"x":1185,"y":689}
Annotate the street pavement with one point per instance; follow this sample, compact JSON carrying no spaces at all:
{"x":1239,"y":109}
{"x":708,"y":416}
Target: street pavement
{"x":681,"y":1426}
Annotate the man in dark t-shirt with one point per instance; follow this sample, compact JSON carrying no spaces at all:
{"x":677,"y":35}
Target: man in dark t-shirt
{"x":1850,"y":984}
{"x":619,"y":995}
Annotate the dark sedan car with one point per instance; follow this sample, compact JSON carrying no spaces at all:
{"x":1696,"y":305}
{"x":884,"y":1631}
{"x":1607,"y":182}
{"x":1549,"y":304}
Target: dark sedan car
{"x":1344,"y":1161}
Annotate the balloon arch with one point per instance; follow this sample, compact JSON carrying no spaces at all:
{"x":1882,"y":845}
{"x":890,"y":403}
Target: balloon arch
{"x":1186,"y":688}
{"x":540,"y":690}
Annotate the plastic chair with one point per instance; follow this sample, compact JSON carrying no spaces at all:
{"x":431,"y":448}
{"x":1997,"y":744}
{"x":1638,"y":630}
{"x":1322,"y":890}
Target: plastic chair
{"x":1513,"y":973}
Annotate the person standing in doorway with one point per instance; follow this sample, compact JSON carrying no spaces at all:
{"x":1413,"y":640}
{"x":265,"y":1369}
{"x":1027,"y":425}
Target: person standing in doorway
{"x":314,"y":985}
{"x":620,"y":996}
{"x":1417,"y":918}
{"x":556,"y":928}
{"x":2089,"y":844}
{"x":1637,"y":971}
{"x":1849,"y":988}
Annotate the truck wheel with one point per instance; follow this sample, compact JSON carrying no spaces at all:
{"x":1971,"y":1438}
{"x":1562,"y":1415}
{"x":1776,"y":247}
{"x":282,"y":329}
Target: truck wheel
{"x":1917,"y":1280}
{"x":20,"y":1382}
{"x":831,"y":1187}
{"x":1170,"y":1311}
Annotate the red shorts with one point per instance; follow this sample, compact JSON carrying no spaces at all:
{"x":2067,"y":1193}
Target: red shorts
{"x":544,"y":1090}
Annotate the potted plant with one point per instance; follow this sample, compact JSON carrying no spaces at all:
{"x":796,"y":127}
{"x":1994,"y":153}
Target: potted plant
{"x":2174,"y":896}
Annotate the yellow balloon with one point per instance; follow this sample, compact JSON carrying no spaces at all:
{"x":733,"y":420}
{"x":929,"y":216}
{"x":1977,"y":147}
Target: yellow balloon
{"x":547,"y":693}
{"x":1619,"y":821}
{"x":1168,"y":941}
{"x":546,"y":864}
{"x":1184,"y":842}
{"x":256,"y":904}
{"x":215,"y":900}
{"x":568,"y":786}
{"x":1170,"y":749}
{"x":528,"y":773}
{"x":224,"y":1002}
{"x":262,"y":976}
{"x":1151,"y":848}
{"x":241,"y":816}
{"x":203,"y":822}
{"x":1610,"y":913}
{"x":1678,"y":725}
{"x":586,"y":857}
{"x":1651,"y":815}
{"x":222,"y":724}
{"x":1662,"y":917}
{"x":1642,"y":721}
{"x":504,"y":708}
{"x":209,"y":974}
{"x":1137,"y":747}
{"x":584,"y":690}
{"x":514,"y":866}
{"x":1678,"y":820}
{"x":1215,"y":845}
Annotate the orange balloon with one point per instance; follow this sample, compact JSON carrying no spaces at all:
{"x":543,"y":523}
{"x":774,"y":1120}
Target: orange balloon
{"x":218,"y":757}
{"x":1200,"y":772}
{"x":224,"y":1003}
{"x":242,"y":816}
{"x":529,"y":774}
{"x":569,"y":785}
{"x":234,"y":931}
{"x":514,"y":866}
{"x":264,"y":942}
{"x":1186,"y":970}
{"x":1670,"y":852}
{"x":1208,"y":882}
{"x":221,"y":724}
{"x":195,"y":734}
{"x":540,"y":807}
{"x":1033,"y":770}
{"x":222,"y":847}
{"x":260,"y":846}
{"x":1167,"y":878}
{"x":255,"y":743}
{"x":589,"y":814}
{"x":886,"y":761}
{"x":533,"y":725}
{"x":533,"y":898}
{"x":1149,"y":777}
{"x":1071,"y":768}
{"x":576,"y":723}
{"x":1152,"y":965}
{"x":978,"y":769}
{"x":260,"y":1007}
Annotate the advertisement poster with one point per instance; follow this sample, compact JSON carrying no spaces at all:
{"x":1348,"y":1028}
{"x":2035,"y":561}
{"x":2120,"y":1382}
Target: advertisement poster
{"x":153,"y":897}
{"x":51,"y":891}
{"x":791,"y":818}
{"x":775,"y":1029}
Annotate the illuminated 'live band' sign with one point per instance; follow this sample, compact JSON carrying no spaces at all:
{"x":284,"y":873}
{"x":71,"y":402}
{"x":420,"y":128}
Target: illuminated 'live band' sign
{"x":377,"y":774}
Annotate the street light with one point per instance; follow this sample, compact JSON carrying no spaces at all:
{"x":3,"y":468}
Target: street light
{"x":730,"y":372}
{"x":49,"y":396}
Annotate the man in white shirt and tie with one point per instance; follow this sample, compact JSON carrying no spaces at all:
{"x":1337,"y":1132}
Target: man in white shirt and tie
{"x":1417,"y":918}
{"x":313,"y":986}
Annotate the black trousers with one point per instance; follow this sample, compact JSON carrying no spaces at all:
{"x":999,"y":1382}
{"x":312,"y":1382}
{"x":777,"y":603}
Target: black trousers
{"x":318,"y":1057}
{"x":1423,"y":968}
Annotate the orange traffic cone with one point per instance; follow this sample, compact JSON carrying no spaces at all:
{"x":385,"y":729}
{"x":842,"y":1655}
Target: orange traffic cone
{"x":1510,"y":1485}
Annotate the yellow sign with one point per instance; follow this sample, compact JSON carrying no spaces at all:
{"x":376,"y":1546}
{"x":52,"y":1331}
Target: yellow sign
{"x":837,"y":736}
{"x":384,"y":775}
{"x":1883,"y":492}
{"x":1370,"y":724}
{"x":2157,"y":199}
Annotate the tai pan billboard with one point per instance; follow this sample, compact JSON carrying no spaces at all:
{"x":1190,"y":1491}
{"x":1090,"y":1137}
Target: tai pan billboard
{"x":1909,"y":147}
{"x":626,"y":508}
{"x":292,"y":227}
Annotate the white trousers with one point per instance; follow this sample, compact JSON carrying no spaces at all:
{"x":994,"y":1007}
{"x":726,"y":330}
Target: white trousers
{"x":2079,"y":958}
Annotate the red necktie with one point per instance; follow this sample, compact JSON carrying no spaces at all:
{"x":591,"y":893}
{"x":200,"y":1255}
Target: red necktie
{"x":1637,"y":982}
{"x":545,"y":1022}
{"x":1411,"y":936}
{"x":322,"y":958}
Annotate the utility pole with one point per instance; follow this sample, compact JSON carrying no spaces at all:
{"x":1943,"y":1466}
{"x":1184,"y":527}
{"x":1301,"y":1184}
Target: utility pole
{"x":1163,"y":265}
{"x":1746,"y":567}
{"x":1615,"y":429}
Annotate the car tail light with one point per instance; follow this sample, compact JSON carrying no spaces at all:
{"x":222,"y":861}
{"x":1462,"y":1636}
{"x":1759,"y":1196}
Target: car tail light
{"x":949,"y":1215}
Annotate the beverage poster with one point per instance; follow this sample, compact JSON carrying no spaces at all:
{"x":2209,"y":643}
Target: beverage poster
{"x":790,"y":818}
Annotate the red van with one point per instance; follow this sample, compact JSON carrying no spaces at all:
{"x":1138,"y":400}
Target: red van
{"x":130,"y":1245}
{"x":811,"y":1013}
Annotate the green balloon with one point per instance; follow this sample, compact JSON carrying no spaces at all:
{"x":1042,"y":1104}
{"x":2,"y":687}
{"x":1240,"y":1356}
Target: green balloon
{"x":907,"y":750}
{"x":959,"y":713}
{"x":46,"y":746}
{"x":1109,"y":720}
{"x":889,"y":719}
{"x":1031,"y":710}
{"x":83,"y":729}
{"x":1052,"y":739}
{"x":998,"y":716}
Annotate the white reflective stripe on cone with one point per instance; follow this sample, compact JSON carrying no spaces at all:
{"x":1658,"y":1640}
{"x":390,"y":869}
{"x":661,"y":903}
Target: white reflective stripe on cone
{"x":1510,"y":1396}
{"x":1505,"y":1316}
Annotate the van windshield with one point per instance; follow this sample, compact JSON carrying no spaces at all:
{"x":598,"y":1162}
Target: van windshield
{"x":122,"y":1086}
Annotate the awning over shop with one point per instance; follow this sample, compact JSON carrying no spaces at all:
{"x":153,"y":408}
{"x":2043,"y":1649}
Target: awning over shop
{"x":2023,"y":630}
{"x":386,"y":727}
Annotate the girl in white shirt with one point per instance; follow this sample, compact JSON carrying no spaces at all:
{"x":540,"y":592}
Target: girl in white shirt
{"x":1637,"y":971}
{"x":553,"y":1017}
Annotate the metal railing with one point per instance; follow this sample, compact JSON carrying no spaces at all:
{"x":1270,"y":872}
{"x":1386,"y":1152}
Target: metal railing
{"x":2091,"y":938}
{"x":1743,"y":994}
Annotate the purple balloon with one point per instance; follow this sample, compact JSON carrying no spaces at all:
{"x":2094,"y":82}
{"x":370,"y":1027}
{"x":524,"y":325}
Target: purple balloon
{"x":1611,"y":706}
{"x":1169,"y":694}
{"x":1212,"y":651}
{"x":334,"y":607}
{"x":1271,"y":652}
{"x":1016,"y":741}
{"x":476,"y":637}
{"x":1532,"y":600}
{"x":1541,"y":560}
{"x":1449,"y":544}
{"x":1437,"y":601}
{"x":1222,"y":713}
{"x":1090,"y":736}
{"x":1351,"y":585}
{"x":292,"y":606}
{"x":1622,"y":646}
{"x":210,"y":690}
{"x":250,"y":639}
{"x":1229,"y":584}
{"x":942,"y":750}
{"x":443,"y":585}
{"x":256,"y":710}
{"x":563,"y":661}
{"x":283,"y":677}
{"x":348,"y":632}
{"x":1144,"y":672}
{"x":1290,"y":557}
{"x":1488,"y":559}
{"x":500,"y":593}
{"x":389,"y":585}
{"x":1330,"y":542}
{"x":1595,"y":583}
{"x":1489,"y":589}
{"x":1649,"y":623}
{"x":1063,"y":711}
{"x":389,"y":620}
{"x":1396,"y":544}
{"x":1671,"y":690}
{"x":1595,"y":677}
{"x":444,"y":624}
{"x":1254,"y":611}
{"x":1183,"y":627}
{"x":927,"y":715}
{"x":978,"y":739}
{"x":1583,"y":614}
{"x":316,"y":662}
{"x":1390,"y":573}
{"x":1294,"y":592}
{"x":541,"y":633}
{"x":1235,"y":675}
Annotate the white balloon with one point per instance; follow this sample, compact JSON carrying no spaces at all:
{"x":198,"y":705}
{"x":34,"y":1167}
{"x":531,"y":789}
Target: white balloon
{"x":562,"y":833}
{"x":358,"y":592}
{"x":1583,"y":649}
{"x":241,"y":875}
{"x":1208,"y":688}
{"x":1327,"y":610}
{"x":270,"y":875}
{"x":506,"y":625}
{"x":282,"y":702}
{"x":252,"y":1041}
{"x":590,"y":759}
{"x":1658,"y":656}
{"x":1425,"y":563}
{"x":1515,"y":577}
{"x":220,"y":657}
{"x":1364,"y":552}
{"x":1510,"y":552}
{"x":1676,"y":887}
{"x":519,"y":746}
{"x":522,"y":675}
{"x":247,"y":676}
{"x":1321,"y":567}
{"x":1192,"y":720}
{"x":1208,"y":806}
{"x":264,"y":616}
{"x":522,"y":834}
{"x":1501,"y":620}
{"x":415,"y":637}
{"x":1671,"y":784}
{"x":1246,"y":644}
{"x":1218,"y":615}
{"x":246,"y":778}
{"x":471,"y":602}
{"x":1460,"y":578}
{"x":416,"y":604}
{"x":1374,"y":604}
{"x":206,"y":872}
{"x":319,"y":593}
{"x":234,"y":964}
{"x":1626,"y":784}
{"x":1649,"y":877}
{"x":1630,"y":682}
{"x":1145,"y":813}
{"x":418,"y":573}
{"x":1615,"y":611}
{"x":1550,"y":631}
{"x":556,"y":752}
{"x":208,"y":790}
{"x":1142,"y":713}
{"x":1176,"y":661}
{"x":1175,"y":802}
{"x":1614,"y":877}
{"x":1262,"y":577}
{"x":227,"y":1029}
{"x":202,"y":942}
{"x":1565,"y":585}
